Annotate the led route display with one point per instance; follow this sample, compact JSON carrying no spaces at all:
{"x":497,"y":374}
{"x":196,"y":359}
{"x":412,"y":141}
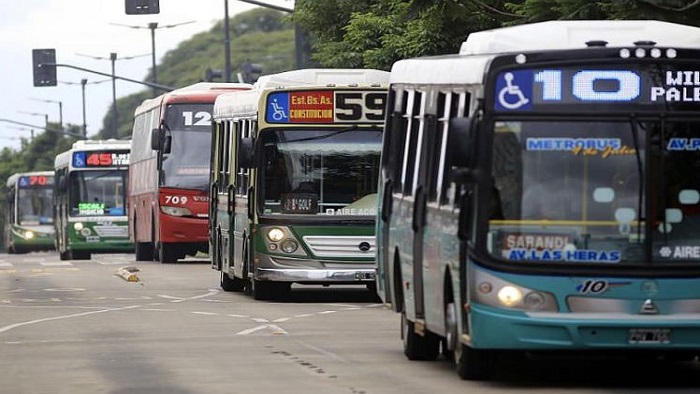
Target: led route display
{"x":615,"y":87}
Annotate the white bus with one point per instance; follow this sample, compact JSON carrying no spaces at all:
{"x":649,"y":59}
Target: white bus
{"x":294,"y":180}
{"x":90,"y":199}
{"x":540,"y":193}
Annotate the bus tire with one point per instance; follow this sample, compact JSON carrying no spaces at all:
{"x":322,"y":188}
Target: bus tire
{"x":79,"y":255}
{"x":167,"y":254}
{"x":231,"y":284}
{"x":473,"y":364}
{"x":418,"y":347}
{"x":266,"y":290}
{"x":143,"y":251}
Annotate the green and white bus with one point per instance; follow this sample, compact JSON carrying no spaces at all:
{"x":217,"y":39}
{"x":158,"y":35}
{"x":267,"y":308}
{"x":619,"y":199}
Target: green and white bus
{"x":540,"y":194}
{"x":90,"y":199}
{"x":294,"y":168}
{"x":29,"y":212}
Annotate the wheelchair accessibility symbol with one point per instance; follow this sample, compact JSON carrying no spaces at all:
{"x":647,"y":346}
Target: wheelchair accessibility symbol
{"x":510,"y":94}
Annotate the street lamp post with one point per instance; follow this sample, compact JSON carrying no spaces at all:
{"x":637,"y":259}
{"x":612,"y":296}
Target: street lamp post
{"x":46,"y":116}
{"x":113,"y":58}
{"x":60,"y":109}
{"x":153,"y":26}
{"x":83,"y":82}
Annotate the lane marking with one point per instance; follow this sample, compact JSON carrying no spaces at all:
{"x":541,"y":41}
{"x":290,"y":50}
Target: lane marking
{"x":55,"y":263}
{"x":13,"y":326}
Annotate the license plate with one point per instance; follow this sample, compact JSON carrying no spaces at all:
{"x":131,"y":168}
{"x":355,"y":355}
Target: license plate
{"x":364,"y":275}
{"x":649,"y":335}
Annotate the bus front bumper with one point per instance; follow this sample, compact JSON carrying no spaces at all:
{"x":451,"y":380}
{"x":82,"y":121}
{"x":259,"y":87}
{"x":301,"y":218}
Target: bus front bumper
{"x":313,"y":271}
{"x":311,"y":276}
{"x":493,"y":329}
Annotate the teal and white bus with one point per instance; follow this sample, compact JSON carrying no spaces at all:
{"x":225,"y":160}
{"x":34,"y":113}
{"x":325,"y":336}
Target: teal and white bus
{"x":90,"y":199}
{"x":540,"y":193}
{"x":29,"y":212}
{"x":294,"y":181}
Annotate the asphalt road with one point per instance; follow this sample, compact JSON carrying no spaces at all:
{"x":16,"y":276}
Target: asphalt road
{"x":82,"y":327}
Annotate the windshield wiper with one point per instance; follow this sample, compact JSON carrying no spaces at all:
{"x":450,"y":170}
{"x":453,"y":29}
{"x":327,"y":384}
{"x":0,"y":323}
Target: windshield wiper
{"x":321,"y":137}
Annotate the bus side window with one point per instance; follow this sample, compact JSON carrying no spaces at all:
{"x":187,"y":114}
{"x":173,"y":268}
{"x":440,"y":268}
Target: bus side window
{"x":411,"y":142}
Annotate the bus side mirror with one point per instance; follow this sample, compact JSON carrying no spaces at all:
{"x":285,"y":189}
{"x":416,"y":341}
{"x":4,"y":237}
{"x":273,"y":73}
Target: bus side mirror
{"x":156,"y":137}
{"x":246,"y":154}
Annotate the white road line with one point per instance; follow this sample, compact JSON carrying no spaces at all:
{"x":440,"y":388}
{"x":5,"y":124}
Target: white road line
{"x":326,"y":312}
{"x":9,"y":265}
{"x":26,"y":323}
{"x":56,"y":263}
{"x":204,"y":313}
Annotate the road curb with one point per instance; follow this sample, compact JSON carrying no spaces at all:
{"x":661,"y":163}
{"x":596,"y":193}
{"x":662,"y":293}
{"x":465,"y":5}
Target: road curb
{"x":128,"y":273}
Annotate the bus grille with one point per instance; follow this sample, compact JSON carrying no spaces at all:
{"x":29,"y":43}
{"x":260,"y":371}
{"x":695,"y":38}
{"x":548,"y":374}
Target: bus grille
{"x":341,"y":246}
{"x":112,"y":231}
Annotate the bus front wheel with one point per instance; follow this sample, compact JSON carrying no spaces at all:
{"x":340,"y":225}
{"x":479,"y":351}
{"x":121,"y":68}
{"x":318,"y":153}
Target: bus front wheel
{"x":424,"y":347}
{"x":167,"y":254}
{"x":232,"y":284}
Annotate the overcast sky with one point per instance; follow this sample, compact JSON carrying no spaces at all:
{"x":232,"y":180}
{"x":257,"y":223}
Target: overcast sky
{"x":81,"y":31}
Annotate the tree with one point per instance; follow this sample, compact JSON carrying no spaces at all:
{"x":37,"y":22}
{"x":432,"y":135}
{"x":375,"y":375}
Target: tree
{"x":375,"y":34}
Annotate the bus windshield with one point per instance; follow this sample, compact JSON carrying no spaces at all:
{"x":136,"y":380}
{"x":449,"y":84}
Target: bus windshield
{"x":97,"y":193}
{"x":577,"y":192}
{"x":321,"y":172}
{"x":35,"y":206}
{"x":187,"y":164}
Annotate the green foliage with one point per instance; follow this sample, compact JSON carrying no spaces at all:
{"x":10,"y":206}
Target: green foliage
{"x":378,"y":33}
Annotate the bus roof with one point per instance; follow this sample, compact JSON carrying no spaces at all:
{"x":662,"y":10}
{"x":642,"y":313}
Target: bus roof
{"x":12,"y":179}
{"x":552,"y":35}
{"x":198,"y":92}
{"x":246,"y":102}
{"x":322,"y":77}
{"x":467,"y":68}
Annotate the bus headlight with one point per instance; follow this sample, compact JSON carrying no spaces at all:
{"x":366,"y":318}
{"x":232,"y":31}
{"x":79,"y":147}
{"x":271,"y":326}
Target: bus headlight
{"x":275,"y":234}
{"x":499,"y":293}
{"x":509,"y":296}
{"x":281,"y":239}
{"x":289,"y":246}
{"x":175,"y":211}
{"x":29,"y":234}
{"x":78,"y":226}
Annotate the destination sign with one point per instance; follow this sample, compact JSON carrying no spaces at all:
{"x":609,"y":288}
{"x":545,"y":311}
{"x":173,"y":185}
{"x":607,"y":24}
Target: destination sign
{"x":582,"y":88}
{"x":96,"y":159}
{"x":31,"y":181}
{"x":189,"y":116}
{"x":326,"y":106}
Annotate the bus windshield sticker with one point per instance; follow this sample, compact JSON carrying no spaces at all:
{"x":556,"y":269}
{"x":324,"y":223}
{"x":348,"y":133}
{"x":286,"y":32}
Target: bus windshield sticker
{"x":603,"y":147}
{"x":566,"y":255}
{"x":680,"y":252}
{"x":91,"y":208}
{"x":683,"y":144}
{"x":299,"y":203}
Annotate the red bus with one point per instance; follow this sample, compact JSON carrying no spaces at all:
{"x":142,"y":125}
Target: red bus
{"x":169,"y":172}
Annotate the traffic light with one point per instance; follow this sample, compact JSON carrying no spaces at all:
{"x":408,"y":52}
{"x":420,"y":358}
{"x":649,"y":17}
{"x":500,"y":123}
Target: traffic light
{"x":44,"y":64}
{"x":251,"y":72}
{"x":140,"y":7}
{"x":211,"y":74}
